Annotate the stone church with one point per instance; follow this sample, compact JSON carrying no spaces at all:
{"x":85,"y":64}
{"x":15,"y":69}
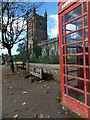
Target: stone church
{"x":37,"y":35}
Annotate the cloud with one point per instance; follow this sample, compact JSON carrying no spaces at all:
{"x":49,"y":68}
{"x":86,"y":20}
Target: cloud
{"x":53,"y":25}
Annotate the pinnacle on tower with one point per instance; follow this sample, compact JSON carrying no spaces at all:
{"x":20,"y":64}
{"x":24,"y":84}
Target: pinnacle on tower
{"x":45,"y":14}
{"x":34,"y":10}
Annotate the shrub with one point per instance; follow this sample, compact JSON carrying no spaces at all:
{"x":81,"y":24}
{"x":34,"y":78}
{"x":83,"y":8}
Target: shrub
{"x":45,"y":60}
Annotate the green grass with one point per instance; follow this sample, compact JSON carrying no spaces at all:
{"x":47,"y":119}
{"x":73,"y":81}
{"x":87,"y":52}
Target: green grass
{"x":75,"y":115}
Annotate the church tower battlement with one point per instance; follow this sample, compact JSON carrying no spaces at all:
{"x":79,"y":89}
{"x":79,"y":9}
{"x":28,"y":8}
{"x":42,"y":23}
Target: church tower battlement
{"x":37,"y":28}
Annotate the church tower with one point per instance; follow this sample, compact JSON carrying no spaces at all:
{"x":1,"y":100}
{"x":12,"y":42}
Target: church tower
{"x":37,"y":28}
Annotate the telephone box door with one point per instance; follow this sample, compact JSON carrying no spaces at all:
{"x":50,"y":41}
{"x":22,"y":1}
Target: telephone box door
{"x":74,"y":43}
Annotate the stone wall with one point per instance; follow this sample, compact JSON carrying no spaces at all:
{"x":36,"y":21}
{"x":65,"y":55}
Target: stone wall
{"x":48,"y":68}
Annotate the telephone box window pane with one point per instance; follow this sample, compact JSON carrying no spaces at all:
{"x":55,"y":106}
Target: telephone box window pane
{"x":74,"y":37}
{"x":64,"y":50}
{"x":64,"y":80}
{"x":62,"y":39}
{"x":72,"y":71}
{"x":77,"y":60}
{"x":88,"y":100}
{"x":86,"y":46}
{"x":63,"y":19}
{"x":72,"y":60}
{"x":85,"y":7}
{"x":73,"y":14}
{"x":71,"y":50}
{"x":81,"y":72}
{"x":76,"y":94}
{"x":86,"y":34}
{"x":65,"y":70}
{"x":64,"y":90}
{"x":72,"y":82}
{"x":80,"y":60}
{"x":77,"y":24}
{"x":77,"y":72}
{"x":87,"y":60}
{"x":76,"y":83}
{"x":74,"y":49}
{"x":63,"y":29}
{"x":88,"y":87}
{"x":87,"y":74}
{"x":63,"y":60}
{"x":85,"y":21}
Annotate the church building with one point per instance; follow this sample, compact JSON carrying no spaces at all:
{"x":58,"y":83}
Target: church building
{"x":37,"y":35}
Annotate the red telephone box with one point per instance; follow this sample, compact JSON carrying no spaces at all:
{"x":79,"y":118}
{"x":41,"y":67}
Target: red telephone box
{"x":74,"y":46}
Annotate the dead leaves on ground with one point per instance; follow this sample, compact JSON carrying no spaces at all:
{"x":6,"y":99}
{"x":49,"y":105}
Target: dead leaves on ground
{"x":24,"y":92}
{"x":41,"y":116}
{"x":9,"y":74}
{"x":15,"y":116}
{"x":24,"y":103}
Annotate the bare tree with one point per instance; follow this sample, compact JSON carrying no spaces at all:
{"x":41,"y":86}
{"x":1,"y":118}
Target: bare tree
{"x":14,"y":23}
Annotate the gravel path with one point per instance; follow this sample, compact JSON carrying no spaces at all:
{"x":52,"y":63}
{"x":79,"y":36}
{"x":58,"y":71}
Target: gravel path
{"x":24,"y":99}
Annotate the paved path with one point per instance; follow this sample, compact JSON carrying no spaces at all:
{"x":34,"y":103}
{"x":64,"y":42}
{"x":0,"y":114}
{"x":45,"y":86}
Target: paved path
{"x":30,"y":100}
